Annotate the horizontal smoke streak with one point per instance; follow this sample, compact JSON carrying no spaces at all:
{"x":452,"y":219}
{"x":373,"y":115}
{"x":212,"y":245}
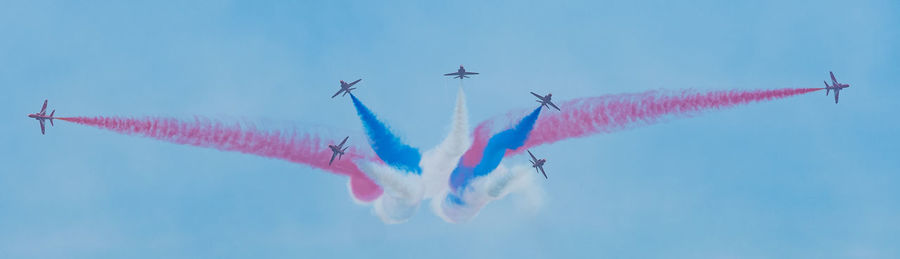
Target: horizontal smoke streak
{"x":605,"y":114}
{"x":245,"y":138}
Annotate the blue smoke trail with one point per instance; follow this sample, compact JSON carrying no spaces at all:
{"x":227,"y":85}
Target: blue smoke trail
{"x":497,"y":145}
{"x":388,"y":146}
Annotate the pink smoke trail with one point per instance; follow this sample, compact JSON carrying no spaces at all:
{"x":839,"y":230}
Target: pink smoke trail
{"x":245,"y":138}
{"x":605,"y":114}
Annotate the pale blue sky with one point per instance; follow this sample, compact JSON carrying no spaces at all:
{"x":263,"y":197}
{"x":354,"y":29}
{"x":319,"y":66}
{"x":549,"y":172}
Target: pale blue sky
{"x":794,"y":178}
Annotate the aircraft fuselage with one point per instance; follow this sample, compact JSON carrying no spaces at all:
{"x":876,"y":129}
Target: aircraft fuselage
{"x":39,"y":117}
{"x":336,"y":149}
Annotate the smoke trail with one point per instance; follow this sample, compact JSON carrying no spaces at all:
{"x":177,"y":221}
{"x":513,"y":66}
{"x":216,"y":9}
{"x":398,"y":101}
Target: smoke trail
{"x":460,"y":175}
{"x":473,"y":186}
{"x":475,"y":182}
{"x":439,"y":162}
{"x":464,"y":204}
{"x":605,"y":114}
{"x":245,"y":138}
{"x":403,"y":192}
{"x":493,"y":151}
{"x":401,"y":178}
{"x":387,"y":146}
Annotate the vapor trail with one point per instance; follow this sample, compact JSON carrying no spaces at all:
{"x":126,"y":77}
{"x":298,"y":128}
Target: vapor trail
{"x":291,"y":146}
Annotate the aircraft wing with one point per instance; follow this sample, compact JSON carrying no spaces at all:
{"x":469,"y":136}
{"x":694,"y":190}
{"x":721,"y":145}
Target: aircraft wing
{"x":471,"y":73}
{"x":537,"y":95}
{"x":833,"y":80}
{"x":44,"y":108}
{"x":343,"y":141}
{"x":42,"y":126}
{"x":836,"y":94}
{"x":354,"y":82}
{"x":554,"y":106}
{"x":532,"y":155}
{"x":332,"y":157}
{"x":452,"y":74}
{"x":338,"y":92}
{"x":542,"y":172}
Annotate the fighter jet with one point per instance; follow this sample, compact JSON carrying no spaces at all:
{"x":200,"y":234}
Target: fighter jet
{"x":461,"y":73}
{"x":834,"y":86}
{"x":42,"y":115}
{"x":338,"y":150}
{"x":545,"y":100}
{"x":537,"y":163}
{"x":346,"y":88}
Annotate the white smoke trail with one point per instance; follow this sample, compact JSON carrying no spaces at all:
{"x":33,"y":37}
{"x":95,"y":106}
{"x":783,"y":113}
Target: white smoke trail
{"x":482,"y":190}
{"x":529,"y":195}
{"x":404,"y":192}
{"x":439,"y":162}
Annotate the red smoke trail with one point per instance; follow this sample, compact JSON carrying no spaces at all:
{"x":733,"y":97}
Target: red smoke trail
{"x":586,"y":116}
{"x":298,"y":148}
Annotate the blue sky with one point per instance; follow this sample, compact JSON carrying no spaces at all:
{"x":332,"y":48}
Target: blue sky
{"x":800,"y":177}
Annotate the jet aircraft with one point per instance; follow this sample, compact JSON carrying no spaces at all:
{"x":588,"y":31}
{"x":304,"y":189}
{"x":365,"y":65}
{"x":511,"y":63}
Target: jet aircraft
{"x":461,"y":73}
{"x":545,"y":100}
{"x":538,"y":164}
{"x":338,"y":150}
{"x":346,"y":88}
{"x":42,"y":116}
{"x":834,"y":86}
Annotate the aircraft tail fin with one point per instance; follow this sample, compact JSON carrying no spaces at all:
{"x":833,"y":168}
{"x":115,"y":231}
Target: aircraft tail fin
{"x":826,"y":88}
{"x":51,"y":117}
{"x":341,"y":154}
